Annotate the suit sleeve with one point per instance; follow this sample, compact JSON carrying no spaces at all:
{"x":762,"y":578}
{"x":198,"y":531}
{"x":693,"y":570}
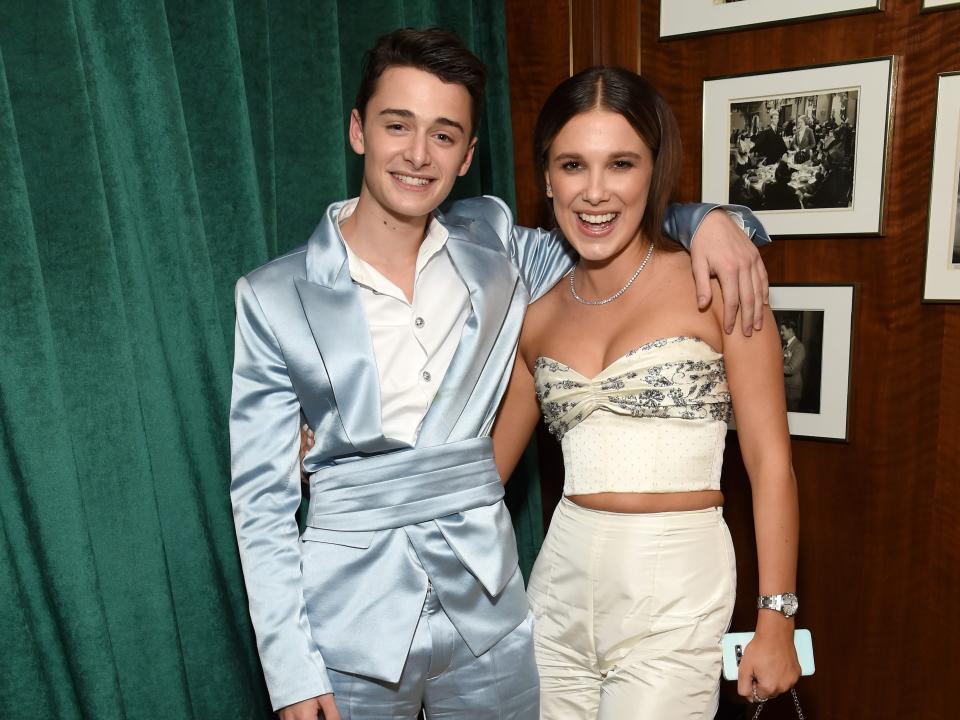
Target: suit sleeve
{"x":683,"y":220}
{"x":541,"y":256}
{"x":265,"y":493}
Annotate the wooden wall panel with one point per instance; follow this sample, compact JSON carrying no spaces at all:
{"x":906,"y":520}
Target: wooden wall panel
{"x":600,"y":30}
{"x":539,"y":59}
{"x":879,"y":543}
{"x":880,"y":539}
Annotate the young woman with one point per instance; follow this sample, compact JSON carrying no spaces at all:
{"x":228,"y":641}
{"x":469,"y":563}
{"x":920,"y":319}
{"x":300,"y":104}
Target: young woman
{"x":634,"y":586}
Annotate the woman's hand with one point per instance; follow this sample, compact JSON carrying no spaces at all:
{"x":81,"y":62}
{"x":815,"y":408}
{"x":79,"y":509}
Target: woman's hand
{"x":769,"y":666}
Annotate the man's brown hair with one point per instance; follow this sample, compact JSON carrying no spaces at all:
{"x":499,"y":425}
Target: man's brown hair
{"x":433,"y":50}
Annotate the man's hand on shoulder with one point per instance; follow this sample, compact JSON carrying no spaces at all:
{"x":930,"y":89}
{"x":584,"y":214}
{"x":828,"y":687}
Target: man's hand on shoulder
{"x":722,"y":249}
{"x":319,"y":707}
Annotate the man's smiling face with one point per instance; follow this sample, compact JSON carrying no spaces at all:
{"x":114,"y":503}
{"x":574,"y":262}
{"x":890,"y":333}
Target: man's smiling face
{"x":416,"y":139}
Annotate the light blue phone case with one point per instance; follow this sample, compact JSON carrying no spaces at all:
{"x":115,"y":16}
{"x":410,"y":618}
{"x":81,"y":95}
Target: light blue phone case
{"x":734,"y":643}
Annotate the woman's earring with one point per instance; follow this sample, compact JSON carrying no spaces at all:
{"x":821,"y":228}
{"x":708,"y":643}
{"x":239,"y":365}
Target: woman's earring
{"x":549,"y":191}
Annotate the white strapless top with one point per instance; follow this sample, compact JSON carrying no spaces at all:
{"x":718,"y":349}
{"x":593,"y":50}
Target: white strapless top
{"x":653,"y":421}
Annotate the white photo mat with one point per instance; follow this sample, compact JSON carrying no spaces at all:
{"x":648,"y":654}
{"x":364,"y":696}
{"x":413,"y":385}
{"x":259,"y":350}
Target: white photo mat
{"x":691,"y":17}
{"x":936,"y":4}
{"x":836,"y":302}
{"x":942,"y":277}
{"x":873,"y":79}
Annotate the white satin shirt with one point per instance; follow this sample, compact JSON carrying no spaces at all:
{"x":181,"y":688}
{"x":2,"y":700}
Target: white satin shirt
{"x":413,"y":342}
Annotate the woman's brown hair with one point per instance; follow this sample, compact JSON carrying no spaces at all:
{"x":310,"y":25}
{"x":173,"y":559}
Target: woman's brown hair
{"x":624,"y":92}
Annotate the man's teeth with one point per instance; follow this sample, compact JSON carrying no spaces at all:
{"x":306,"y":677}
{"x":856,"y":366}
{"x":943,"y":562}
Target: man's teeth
{"x":410,"y":180}
{"x":597,"y":219}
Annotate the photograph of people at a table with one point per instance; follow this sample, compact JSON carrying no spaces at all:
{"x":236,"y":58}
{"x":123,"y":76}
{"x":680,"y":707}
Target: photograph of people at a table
{"x":794,"y":153}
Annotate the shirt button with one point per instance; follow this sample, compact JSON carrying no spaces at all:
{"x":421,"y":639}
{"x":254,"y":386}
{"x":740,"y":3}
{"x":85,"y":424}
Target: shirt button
{"x":426,"y":376}
{"x":419,"y":322}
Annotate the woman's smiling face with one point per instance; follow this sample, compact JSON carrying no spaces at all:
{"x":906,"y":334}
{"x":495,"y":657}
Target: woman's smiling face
{"x":599,"y":171}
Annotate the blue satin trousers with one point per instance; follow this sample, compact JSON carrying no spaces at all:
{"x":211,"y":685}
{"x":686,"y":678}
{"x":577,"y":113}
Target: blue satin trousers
{"x":444,"y":677}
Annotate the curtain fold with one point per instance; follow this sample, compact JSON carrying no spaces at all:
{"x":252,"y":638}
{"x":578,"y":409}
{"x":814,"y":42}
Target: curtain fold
{"x":150,"y":153}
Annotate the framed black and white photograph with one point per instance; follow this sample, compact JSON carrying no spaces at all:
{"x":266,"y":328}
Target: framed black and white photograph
{"x":679,"y":18}
{"x":806,"y":149}
{"x":815,"y":323}
{"x":939,"y":4}
{"x":942,"y":277}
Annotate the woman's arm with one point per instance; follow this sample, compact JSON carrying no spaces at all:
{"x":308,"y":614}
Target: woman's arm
{"x":755,"y":375}
{"x":516,"y":419}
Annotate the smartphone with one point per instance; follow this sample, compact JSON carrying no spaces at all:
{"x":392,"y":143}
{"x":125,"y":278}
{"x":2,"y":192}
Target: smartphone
{"x":734,"y":644}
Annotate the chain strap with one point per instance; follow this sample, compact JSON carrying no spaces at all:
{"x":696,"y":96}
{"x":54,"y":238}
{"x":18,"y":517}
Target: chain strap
{"x":796,"y":704}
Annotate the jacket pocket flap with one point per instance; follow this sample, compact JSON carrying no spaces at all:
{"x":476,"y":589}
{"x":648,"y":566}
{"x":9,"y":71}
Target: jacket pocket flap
{"x":349,"y":538}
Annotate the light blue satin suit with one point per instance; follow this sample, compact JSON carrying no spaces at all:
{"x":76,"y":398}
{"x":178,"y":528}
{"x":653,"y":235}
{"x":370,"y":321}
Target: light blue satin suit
{"x":385,"y":519}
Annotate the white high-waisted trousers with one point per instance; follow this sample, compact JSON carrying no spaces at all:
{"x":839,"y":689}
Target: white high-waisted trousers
{"x":629,"y":612}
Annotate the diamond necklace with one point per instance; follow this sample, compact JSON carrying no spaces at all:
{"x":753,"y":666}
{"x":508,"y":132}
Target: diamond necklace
{"x":619,"y":292}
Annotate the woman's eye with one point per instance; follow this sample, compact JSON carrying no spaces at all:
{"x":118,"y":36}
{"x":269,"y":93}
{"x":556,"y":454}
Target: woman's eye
{"x":571,"y":165}
{"x":622,"y":164}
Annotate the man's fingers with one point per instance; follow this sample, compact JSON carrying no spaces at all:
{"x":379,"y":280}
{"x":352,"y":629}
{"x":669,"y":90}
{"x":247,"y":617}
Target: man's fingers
{"x":757,"y":298}
{"x":701,"y":277}
{"x":747,"y":300}
{"x":730,"y":288}
{"x":328,"y":708}
{"x":764,"y":279}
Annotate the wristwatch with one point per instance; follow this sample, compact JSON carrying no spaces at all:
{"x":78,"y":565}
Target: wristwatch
{"x":785,"y":603}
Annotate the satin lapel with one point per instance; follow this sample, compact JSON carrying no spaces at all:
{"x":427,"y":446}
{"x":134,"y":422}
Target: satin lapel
{"x":339,"y":325}
{"x":491,"y":280}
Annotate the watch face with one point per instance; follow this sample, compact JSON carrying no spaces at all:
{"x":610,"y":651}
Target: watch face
{"x":790,"y":604}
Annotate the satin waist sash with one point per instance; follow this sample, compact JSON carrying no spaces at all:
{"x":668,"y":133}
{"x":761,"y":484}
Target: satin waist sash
{"x":447,"y":502}
{"x":406,"y":487}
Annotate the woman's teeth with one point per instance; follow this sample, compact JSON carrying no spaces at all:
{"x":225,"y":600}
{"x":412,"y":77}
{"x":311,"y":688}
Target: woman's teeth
{"x":597,"y":219}
{"x":410,"y":180}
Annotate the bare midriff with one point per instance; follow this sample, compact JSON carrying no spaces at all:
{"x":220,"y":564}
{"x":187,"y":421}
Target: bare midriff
{"x":624,"y":502}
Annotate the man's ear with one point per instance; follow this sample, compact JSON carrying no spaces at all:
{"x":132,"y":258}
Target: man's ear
{"x":356,"y":132}
{"x":468,"y":158}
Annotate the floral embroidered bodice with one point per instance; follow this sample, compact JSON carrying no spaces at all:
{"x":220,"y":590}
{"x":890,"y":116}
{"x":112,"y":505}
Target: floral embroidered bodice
{"x":654,"y":420}
{"x":678,"y":377}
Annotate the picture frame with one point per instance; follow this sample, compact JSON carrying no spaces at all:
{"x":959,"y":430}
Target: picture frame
{"x":817,"y":370}
{"x":941,"y":282}
{"x":929,"y":5}
{"x":683,"y":18}
{"x":806,"y":148}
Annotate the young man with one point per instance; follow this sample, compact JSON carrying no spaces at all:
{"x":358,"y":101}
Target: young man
{"x":391,"y":333}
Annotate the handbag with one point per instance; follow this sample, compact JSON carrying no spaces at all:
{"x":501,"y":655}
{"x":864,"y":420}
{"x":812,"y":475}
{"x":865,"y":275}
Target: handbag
{"x":796,"y":705}
{"x":733,"y":644}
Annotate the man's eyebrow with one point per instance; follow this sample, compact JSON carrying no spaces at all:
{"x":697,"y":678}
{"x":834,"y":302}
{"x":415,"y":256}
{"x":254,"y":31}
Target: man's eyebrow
{"x":450,"y":123}
{"x":408,"y":114}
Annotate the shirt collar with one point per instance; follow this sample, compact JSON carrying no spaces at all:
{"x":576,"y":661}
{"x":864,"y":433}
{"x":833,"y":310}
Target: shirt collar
{"x":364,"y":273}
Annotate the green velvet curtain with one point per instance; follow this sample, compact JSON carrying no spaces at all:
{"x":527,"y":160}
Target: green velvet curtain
{"x":151,"y":151}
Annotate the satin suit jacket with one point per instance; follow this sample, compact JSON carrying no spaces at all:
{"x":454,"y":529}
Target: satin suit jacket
{"x":794,"y":355}
{"x":384,"y":517}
